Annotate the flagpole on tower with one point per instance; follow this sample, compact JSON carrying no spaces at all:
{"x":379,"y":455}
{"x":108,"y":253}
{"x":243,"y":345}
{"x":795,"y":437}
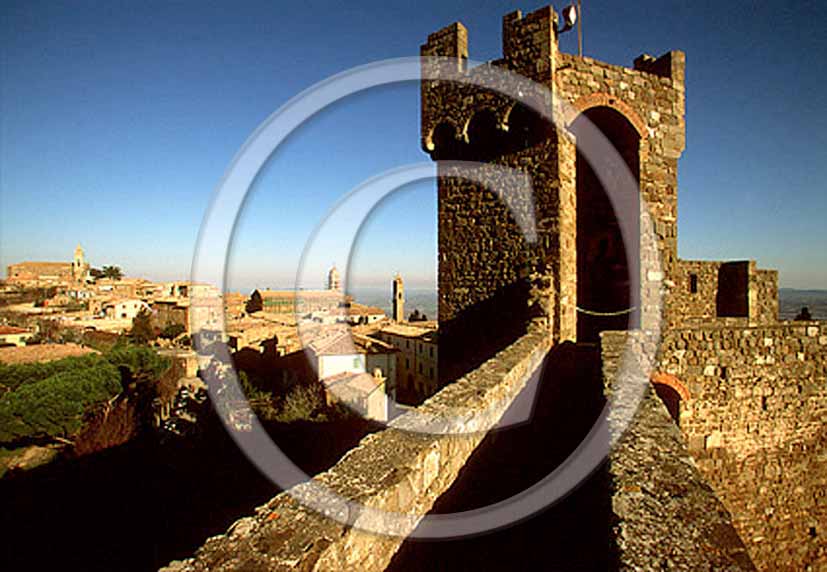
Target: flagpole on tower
{"x":579,"y":29}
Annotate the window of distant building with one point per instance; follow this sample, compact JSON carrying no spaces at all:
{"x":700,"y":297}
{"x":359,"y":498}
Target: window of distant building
{"x":693,"y":283}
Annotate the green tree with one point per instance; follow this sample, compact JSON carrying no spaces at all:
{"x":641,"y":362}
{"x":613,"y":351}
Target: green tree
{"x":142,"y":364}
{"x":40,"y":401}
{"x":172,"y":331}
{"x":113,"y":272}
{"x":142,"y":330}
{"x":303,"y":402}
{"x":417,"y":316}
{"x":55,"y":406}
{"x":13,"y":376}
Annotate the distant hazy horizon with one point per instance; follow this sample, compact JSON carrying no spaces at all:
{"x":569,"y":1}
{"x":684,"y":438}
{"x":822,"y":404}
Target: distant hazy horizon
{"x":424,"y":299}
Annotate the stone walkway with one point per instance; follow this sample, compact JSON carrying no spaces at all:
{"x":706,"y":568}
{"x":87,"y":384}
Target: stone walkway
{"x":571,"y":535}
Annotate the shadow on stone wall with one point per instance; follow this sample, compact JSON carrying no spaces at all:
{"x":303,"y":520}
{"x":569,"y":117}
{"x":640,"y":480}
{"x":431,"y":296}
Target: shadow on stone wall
{"x":574,"y":534}
{"x":478,"y":332}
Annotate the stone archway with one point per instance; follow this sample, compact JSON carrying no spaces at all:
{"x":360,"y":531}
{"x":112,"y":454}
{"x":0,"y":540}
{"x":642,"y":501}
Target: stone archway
{"x":672,"y":392}
{"x":605,"y":262}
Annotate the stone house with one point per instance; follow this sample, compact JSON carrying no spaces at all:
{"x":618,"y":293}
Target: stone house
{"x":287,"y":302}
{"x":207,"y":313}
{"x":418,"y":360}
{"x":362,"y":392}
{"x":234,"y":304}
{"x":39,"y":273}
{"x":124,"y":308}
{"x":12,"y":336}
{"x":339,"y":351}
{"x":124,"y":288}
{"x":361,"y":314}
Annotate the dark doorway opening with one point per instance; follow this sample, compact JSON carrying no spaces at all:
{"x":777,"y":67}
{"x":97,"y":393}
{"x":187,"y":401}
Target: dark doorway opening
{"x":671,"y":399}
{"x":732,"y":299}
{"x":605,"y":262}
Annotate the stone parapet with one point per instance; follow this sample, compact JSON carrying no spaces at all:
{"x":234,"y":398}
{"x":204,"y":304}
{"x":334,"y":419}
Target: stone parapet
{"x":666,"y":516}
{"x":392,"y":470}
{"x":754,"y":421}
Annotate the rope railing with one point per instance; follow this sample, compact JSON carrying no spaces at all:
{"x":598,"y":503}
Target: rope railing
{"x":606,"y":314}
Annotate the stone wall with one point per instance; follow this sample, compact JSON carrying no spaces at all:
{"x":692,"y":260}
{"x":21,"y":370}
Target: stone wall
{"x":754,"y":420}
{"x":486,"y":261}
{"x":666,"y":516}
{"x":393,"y":470}
{"x":764,"y":296}
{"x":719,"y":286}
{"x":692,"y":306}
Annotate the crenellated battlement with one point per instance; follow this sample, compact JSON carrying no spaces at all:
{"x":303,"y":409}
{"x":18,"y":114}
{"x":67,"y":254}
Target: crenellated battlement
{"x":530,"y":49}
{"x":478,"y":113}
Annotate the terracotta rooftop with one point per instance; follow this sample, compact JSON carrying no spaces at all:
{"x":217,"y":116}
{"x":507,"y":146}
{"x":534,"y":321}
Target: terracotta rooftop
{"x":345,"y":383}
{"x":42,"y":353}
{"x":362,"y":310}
{"x":342,"y":341}
{"x":8,"y":330}
{"x":36,"y":263}
{"x":409,"y":330}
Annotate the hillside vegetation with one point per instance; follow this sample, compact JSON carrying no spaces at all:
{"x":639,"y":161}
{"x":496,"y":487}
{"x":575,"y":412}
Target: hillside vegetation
{"x":44,"y":401}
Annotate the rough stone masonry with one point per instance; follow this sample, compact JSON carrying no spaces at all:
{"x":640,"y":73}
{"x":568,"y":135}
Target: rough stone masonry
{"x":736,"y":441}
{"x":747,"y":390}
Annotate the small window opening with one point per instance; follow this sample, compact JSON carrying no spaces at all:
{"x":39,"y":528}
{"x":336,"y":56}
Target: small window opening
{"x":813,"y":532}
{"x":693,"y":283}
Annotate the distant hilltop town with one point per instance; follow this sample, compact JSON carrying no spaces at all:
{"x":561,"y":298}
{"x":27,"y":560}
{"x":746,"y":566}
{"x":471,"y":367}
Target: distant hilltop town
{"x":362,"y":356}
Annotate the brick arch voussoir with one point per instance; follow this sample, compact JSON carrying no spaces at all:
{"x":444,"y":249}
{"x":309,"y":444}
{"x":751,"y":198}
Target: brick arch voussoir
{"x":671,"y":381}
{"x":602,"y":99}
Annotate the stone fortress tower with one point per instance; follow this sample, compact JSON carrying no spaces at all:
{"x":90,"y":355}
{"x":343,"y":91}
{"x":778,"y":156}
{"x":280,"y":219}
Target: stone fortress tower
{"x":334,"y":281}
{"x":721,"y":342}
{"x":723,"y":466}
{"x":398,"y":299}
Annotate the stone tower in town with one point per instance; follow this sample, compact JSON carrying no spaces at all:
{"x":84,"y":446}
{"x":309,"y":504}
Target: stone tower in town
{"x":398,"y":299}
{"x":334,"y":281}
{"x":79,"y":265}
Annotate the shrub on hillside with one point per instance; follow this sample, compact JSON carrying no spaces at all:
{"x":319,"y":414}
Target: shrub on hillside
{"x":172,"y":331}
{"x":50,"y":399}
{"x":142,"y":363}
{"x":13,"y":376}
{"x":142,"y":331}
{"x":55,"y":406}
{"x":301,"y":403}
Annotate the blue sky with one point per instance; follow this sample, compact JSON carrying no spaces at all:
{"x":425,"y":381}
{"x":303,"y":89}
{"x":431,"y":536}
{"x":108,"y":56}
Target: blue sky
{"x":117,"y":121}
